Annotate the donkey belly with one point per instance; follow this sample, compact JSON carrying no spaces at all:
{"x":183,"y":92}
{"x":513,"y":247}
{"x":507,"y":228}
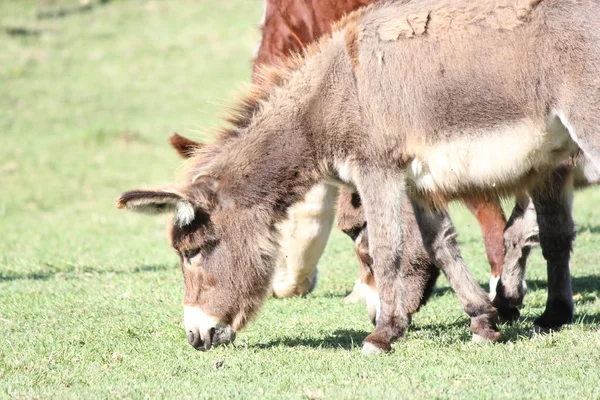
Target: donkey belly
{"x":496,"y":159}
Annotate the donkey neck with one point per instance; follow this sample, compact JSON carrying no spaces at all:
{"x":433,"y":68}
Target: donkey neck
{"x":280,"y":154}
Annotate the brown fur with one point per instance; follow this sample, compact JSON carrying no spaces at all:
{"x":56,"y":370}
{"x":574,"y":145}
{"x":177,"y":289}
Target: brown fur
{"x":442,"y":94}
{"x":184,"y":146}
{"x":291,"y":25}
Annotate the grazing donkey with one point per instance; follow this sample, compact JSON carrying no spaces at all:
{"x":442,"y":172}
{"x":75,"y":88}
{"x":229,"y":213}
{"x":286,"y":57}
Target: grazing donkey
{"x":435,"y":101}
{"x":418,"y":273}
{"x":288,"y":27}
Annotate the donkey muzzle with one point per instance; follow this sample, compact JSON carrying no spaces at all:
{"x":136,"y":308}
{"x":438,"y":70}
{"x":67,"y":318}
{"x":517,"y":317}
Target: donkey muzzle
{"x":219,"y":335}
{"x":204,"y":330}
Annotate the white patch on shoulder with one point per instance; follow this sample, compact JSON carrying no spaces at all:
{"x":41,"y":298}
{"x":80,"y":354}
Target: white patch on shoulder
{"x":196,"y":319}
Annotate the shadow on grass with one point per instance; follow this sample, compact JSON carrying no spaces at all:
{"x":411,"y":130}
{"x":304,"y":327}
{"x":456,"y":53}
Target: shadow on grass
{"x":347,"y":339}
{"x":21,"y":31}
{"x":587,"y":228}
{"x":62,"y":12}
{"x":511,"y":332}
{"x":588,"y":283}
{"x":351,"y":339}
{"x":78,"y":272}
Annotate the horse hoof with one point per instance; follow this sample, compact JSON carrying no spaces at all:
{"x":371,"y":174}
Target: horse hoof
{"x":370,"y":349}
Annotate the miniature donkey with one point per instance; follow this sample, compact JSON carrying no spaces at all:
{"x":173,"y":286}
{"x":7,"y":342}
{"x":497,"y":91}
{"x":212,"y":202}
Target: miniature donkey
{"x":435,"y":101}
{"x":288,"y":27}
{"x":418,"y":274}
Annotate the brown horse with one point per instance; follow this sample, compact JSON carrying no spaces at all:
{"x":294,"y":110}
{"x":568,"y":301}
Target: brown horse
{"x":434,"y":101}
{"x":288,"y":27}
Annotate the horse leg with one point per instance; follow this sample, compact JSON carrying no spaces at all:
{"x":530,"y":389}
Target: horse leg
{"x":579,"y":114}
{"x":491,"y":222}
{"x":304,"y":235}
{"x":439,"y":239}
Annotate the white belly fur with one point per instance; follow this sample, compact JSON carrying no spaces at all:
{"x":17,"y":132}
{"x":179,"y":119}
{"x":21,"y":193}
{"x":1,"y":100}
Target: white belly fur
{"x":491,"y":159}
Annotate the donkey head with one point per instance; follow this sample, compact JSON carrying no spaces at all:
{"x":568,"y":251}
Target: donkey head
{"x":225,"y":255}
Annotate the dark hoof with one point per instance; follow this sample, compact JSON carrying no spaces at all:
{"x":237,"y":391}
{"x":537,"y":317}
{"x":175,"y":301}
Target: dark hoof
{"x":508,"y":313}
{"x":552,"y":321}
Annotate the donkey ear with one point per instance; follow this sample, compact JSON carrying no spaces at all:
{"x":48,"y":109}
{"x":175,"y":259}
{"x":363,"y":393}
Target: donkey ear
{"x":158,"y":202}
{"x":184,"y":146}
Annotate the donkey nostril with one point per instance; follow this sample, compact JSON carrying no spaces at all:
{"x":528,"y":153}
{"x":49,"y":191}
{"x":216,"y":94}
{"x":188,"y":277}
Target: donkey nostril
{"x":194,"y":339}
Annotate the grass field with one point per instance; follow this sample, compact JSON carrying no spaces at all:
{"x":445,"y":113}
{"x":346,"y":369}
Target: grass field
{"x":90,"y":297}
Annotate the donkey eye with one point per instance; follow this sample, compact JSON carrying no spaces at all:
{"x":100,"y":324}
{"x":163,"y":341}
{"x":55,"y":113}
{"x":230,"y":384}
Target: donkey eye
{"x":191,"y":253}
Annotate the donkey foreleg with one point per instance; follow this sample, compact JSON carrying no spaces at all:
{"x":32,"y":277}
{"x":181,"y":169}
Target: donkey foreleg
{"x":382,"y":192}
{"x":439,"y":239}
{"x":553,"y":203}
{"x":520,"y":235}
{"x":304,"y":235}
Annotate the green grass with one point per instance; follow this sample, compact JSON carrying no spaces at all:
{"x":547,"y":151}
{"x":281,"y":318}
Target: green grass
{"x":90,"y":297}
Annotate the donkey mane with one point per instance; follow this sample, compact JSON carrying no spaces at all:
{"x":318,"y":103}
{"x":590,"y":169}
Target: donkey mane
{"x":267,"y":79}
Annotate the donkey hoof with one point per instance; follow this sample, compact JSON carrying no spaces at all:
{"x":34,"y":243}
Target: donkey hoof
{"x":485,"y":337}
{"x":508,"y":313}
{"x":369,"y":349}
{"x":556,"y":315}
{"x":537,"y":330}
{"x":481,"y":340}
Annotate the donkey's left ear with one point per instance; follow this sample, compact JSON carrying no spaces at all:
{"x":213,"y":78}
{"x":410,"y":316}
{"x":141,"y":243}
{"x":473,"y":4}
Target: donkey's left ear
{"x":184,"y":146}
{"x":159,"y":202}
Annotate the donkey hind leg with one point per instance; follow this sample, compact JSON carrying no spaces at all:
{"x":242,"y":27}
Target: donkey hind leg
{"x":520,"y":235}
{"x":439,"y":239}
{"x":382,"y":193}
{"x":492,"y":222}
{"x":304,"y":235}
{"x":553,"y":202}
{"x":580,"y":115}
